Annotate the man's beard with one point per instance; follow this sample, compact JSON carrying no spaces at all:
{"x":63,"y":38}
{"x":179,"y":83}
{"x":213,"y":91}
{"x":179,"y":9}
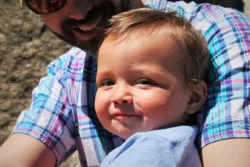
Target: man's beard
{"x":90,"y":46}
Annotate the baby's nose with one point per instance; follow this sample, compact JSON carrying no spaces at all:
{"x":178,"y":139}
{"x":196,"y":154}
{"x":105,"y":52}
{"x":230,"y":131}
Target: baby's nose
{"x":122,"y":96}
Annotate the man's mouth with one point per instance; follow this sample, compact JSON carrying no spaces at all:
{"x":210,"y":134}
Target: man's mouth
{"x":87,"y":33}
{"x":95,"y":21}
{"x":88,"y":29}
{"x":91,"y":24}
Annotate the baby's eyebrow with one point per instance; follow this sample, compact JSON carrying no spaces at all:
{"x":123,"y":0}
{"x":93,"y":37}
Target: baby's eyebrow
{"x":103,"y":73}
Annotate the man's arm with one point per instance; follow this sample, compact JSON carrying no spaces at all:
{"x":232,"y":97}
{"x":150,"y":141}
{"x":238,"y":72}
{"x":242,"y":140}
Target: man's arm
{"x":24,"y":151}
{"x":229,"y":153}
{"x":44,"y":133}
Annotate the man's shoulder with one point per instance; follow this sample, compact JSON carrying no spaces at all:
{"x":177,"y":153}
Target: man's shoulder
{"x":74,"y":57}
{"x":75,"y":65}
{"x":204,"y":14}
{"x":73,"y":60}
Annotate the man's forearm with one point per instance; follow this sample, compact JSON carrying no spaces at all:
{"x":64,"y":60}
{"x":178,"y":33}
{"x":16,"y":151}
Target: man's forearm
{"x":227,"y":153}
{"x":24,"y":151}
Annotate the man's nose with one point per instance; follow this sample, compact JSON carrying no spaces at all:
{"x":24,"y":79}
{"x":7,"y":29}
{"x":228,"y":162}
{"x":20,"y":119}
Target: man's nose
{"x":122,"y":95}
{"x":78,"y":9}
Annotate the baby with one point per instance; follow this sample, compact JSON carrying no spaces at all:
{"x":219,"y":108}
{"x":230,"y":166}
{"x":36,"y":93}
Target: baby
{"x":150,"y":74}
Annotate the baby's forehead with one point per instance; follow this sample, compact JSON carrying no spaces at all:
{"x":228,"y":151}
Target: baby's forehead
{"x":147,"y":34}
{"x":158,"y":42}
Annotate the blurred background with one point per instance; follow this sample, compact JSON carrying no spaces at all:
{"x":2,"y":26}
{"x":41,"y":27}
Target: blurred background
{"x":26,"y":48}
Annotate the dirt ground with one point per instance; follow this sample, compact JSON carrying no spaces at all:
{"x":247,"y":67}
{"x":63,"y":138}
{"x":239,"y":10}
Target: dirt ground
{"x":25,"y":51}
{"x":24,"y":54}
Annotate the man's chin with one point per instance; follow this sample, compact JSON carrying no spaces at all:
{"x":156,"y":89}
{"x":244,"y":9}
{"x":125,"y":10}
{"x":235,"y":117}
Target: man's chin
{"x":90,"y":47}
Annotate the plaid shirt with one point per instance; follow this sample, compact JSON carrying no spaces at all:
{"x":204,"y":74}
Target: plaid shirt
{"x":62,"y":114}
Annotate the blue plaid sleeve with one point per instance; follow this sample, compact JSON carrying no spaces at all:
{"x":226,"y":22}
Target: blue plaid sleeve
{"x":49,"y":118}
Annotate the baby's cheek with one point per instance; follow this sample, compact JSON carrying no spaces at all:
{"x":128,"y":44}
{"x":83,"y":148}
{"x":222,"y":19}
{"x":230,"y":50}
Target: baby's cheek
{"x":100,"y":103}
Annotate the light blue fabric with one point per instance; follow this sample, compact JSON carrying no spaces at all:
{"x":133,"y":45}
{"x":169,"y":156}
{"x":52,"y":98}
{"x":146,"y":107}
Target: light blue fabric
{"x":169,"y":147}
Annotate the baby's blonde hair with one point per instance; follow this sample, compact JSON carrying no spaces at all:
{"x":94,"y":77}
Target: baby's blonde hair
{"x":147,"y":22}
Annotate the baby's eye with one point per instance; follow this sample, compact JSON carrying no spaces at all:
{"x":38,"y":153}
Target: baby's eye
{"x":107,"y":83}
{"x":145,"y":82}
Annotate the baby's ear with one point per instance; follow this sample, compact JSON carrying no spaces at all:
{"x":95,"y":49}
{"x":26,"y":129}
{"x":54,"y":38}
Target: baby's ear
{"x":198,"y":97}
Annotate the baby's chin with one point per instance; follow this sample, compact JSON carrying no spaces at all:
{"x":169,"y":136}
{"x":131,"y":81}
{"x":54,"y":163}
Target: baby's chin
{"x":124,"y":134}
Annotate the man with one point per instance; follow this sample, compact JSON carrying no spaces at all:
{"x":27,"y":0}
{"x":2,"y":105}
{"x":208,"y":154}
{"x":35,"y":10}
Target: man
{"x":62,"y":119}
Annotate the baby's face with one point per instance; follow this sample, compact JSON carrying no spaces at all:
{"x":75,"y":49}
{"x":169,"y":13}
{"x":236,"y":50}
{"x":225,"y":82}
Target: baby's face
{"x":140,"y":87}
